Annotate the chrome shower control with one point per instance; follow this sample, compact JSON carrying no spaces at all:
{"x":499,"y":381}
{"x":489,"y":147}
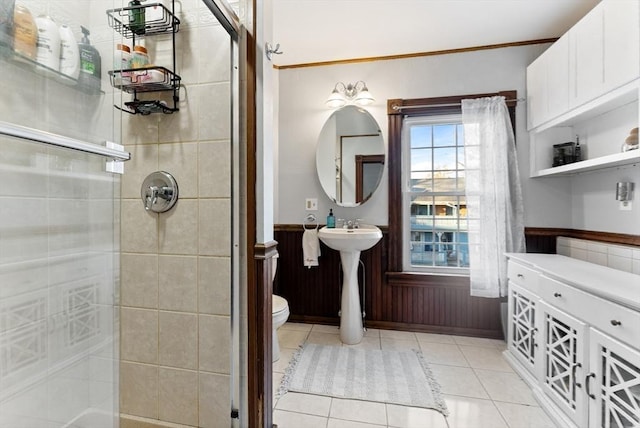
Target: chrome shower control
{"x":159,"y":192}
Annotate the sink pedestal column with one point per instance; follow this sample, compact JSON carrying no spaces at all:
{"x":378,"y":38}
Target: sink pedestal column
{"x":351,"y":330}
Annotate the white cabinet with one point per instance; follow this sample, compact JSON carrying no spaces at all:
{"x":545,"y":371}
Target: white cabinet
{"x":591,"y":72}
{"x":523,"y":328}
{"x":586,"y":57}
{"x":615,"y":399}
{"x":579,"y":351}
{"x":621,"y":47}
{"x":563,"y":355}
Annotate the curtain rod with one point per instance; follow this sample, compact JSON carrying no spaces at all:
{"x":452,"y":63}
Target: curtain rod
{"x":446,"y":105}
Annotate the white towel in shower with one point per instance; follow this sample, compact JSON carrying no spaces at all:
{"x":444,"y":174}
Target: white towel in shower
{"x":310,"y":247}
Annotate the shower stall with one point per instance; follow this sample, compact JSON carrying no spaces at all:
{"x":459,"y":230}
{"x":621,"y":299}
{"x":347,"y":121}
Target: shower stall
{"x":97,"y":294}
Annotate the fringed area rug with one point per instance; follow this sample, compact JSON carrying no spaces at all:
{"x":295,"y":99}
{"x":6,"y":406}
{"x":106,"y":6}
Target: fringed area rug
{"x":396,"y":377}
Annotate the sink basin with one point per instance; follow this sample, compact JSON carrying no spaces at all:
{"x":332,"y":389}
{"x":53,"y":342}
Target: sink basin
{"x":350,"y":240}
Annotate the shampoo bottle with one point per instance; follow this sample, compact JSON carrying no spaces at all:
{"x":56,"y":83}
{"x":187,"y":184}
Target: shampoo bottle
{"x":25,"y":32}
{"x":90,"y":64}
{"x":69,"y":55}
{"x":136,"y":17}
{"x":48,"y":44}
{"x":577,"y":153}
{"x":331,"y":220}
{"x":6,"y":21}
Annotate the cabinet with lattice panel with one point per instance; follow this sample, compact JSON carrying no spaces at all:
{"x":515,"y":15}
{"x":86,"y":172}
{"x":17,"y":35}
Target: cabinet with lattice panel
{"x":613,"y":383}
{"x":523,"y":327}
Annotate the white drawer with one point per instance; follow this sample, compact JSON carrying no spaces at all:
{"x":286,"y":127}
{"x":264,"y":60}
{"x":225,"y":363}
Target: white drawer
{"x":523,"y":276}
{"x":618,"y":321}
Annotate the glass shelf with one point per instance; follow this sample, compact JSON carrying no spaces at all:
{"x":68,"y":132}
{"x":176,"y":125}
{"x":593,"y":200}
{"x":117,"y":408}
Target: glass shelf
{"x":7,"y":53}
{"x":119,"y":21}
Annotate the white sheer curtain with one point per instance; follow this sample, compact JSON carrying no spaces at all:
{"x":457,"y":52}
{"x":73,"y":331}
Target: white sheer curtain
{"x":494,"y":198}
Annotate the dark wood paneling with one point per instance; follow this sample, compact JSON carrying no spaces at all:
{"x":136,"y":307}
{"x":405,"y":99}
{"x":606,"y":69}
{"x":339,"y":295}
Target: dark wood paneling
{"x":392,"y":300}
{"x":398,"y":300}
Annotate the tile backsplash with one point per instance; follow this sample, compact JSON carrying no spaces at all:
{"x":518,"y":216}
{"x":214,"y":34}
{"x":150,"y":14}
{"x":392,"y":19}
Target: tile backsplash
{"x":621,"y":257}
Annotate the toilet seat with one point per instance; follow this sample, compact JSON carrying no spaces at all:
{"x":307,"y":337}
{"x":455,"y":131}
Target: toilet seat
{"x":279,"y":305}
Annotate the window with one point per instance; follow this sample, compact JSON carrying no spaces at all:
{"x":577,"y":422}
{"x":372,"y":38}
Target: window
{"x":432,"y":198}
{"x":433,"y":201}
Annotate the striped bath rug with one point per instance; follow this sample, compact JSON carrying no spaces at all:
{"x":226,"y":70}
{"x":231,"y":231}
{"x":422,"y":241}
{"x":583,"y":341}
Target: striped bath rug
{"x":395,"y":377}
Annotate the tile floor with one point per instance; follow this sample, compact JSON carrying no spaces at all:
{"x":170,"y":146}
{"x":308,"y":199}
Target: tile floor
{"x":480,"y":388}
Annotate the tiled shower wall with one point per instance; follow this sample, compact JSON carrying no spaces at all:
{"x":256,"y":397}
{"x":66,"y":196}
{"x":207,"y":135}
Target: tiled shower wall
{"x":175,"y":266}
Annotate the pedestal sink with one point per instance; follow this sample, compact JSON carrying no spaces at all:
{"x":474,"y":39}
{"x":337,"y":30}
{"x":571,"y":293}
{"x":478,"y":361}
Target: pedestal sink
{"x":350,"y":242}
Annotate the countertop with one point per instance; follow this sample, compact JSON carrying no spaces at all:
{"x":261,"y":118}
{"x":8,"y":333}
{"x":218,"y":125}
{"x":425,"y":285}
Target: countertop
{"x":611,"y":284}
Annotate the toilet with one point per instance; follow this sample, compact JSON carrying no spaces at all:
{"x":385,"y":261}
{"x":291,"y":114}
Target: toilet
{"x":279,"y":314}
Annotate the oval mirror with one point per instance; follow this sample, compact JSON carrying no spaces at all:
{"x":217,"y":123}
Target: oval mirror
{"x":350,"y":156}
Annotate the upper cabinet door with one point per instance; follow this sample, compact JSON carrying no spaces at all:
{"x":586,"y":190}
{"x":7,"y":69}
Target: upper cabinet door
{"x":586,"y":47}
{"x":621,"y":42}
{"x":558,"y":77}
{"x":537,"y":111}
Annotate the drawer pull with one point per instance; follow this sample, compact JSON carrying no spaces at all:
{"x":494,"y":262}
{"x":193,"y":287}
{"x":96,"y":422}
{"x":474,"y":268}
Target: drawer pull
{"x":557,"y":295}
{"x":616,"y":323}
{"x":520,"y":275}
{"x":586,"y":382}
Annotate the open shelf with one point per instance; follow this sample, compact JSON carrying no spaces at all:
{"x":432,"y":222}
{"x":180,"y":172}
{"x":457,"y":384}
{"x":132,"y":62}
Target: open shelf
{"x":119,"y":21}
{"x":609,"y":161}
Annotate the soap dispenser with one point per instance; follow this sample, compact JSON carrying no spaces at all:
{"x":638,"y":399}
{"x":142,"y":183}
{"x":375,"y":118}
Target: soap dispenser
{"x":331,"y":220}
{"x":90,"y":64}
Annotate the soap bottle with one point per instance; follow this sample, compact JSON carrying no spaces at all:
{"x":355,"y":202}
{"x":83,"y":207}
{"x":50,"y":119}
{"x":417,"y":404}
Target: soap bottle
{"x":69,"y":54}
{"x":48,"y":43}
{"x":577,"y":153}
{"x":6,"y":21}
{"x":331,"y":220}
{"x":90,"y":64}
{"x":136,"y":17}
{"x":25,"y":32}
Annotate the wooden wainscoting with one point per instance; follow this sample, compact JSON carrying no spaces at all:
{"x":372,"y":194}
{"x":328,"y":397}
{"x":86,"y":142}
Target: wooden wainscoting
{"x":392,"y":301}
{"x":397,"y":300}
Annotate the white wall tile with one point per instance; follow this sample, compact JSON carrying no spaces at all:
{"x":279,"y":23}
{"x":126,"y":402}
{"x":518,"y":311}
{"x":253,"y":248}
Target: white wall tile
{"x":620,"y":263}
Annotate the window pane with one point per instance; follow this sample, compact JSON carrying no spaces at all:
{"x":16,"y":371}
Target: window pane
{"x":460,"y":134}
{"x":421,"y":159}
{"x":421,"y":136}
{"x":421,"y":181}
{"x":444,"y":135}
{"x":461,"y":181}
{"x":445,"y":182}
{"x":444,"y":158}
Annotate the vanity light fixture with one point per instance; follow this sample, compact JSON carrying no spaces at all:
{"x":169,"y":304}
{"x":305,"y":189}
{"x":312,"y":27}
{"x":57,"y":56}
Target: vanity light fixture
{"x":341,"y":94}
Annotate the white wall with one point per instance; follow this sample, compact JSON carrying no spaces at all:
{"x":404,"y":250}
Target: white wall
{"x":302,"y":114}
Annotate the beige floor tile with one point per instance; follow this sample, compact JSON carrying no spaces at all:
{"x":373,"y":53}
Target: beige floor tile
{"x":286,"y":419}
{"x":339,"y":423}
{"x":458,"y":381}
{"x":435,"y":338}
{"x":285,"y":357}
{"x":359,"y":411}
{"x":485,"y":358}
{"x":331,"y":329}
{"x":291,"y":338}
{"x":297,"y":326}
{"x":466,"y":412}
{"x":366,"y":343}
{"x":396,"y":334}
{"x":442,"y":353}
{"x":506,"y":387}
{"x":317,"y":405}
{"x":479,"y":341}
{"x":414,"y":417}
{"x":324,"y":339}
{"x":520,"y":416}
{"x":276,"y":381}
{"x":372,"y":332}
{"x":391,"y":344}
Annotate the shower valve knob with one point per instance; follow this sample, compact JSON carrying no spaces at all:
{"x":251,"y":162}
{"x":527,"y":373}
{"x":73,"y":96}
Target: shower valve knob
{"x":159,"y":192}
